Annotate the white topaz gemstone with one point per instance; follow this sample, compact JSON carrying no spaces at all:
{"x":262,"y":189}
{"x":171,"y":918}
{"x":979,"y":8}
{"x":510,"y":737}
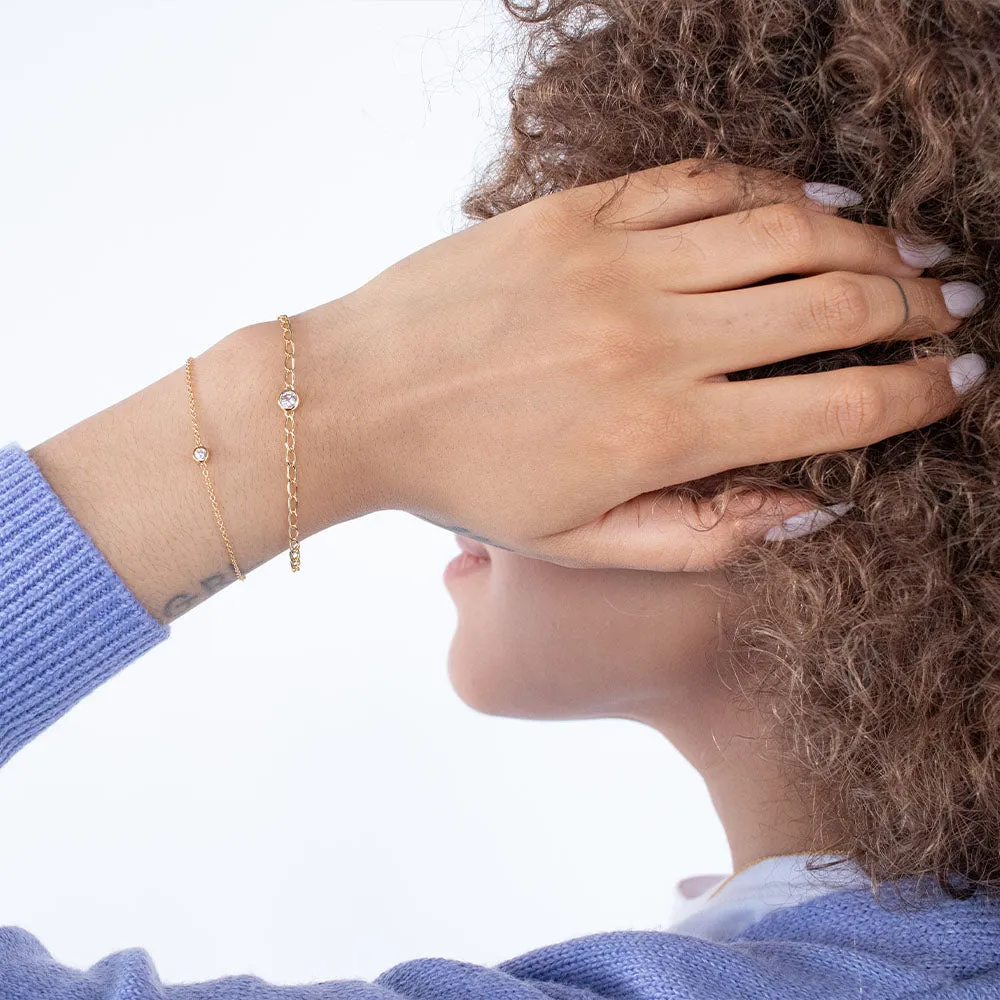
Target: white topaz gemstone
{"x":200,"y":454}
{"x":288,"y":400}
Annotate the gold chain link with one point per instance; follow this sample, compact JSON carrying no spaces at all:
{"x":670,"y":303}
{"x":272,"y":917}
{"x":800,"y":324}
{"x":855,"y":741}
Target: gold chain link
{"x":200,"y":455}
{"x":288,"y":401}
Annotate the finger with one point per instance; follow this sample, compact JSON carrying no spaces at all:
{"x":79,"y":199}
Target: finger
{"x":732,"y":251}
{"x":824,"y":312}
{"x":692,"y":189}
{"x":773,"y":419}
{"x":665,"y":532}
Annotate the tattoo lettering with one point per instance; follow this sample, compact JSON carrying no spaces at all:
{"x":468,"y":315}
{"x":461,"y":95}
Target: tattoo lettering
{"x":214,"y":583}
{"x":180,"y":603}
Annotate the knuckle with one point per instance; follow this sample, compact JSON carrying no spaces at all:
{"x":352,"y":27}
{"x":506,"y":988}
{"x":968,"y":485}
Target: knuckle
{"x":853,"y":411}
{"x":789,"y":230}
{"x":840,"y":305}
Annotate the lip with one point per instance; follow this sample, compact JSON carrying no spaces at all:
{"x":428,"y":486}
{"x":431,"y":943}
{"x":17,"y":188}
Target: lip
{"x":473,"y":556}
{"x":476,"y":549}
{"x":464,"y":564}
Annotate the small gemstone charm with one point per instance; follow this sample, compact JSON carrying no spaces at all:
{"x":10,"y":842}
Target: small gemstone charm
{"x":288,"y":400}
{"x":200,"y":454}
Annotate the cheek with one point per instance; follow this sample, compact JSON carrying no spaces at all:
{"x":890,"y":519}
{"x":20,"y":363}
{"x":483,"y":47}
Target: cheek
{"x":536,"y":640}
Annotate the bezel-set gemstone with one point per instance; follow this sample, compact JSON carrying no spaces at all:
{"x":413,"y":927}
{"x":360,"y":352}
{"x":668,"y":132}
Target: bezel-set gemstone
{"x":200,"y":454}
{"x":288,"y":400}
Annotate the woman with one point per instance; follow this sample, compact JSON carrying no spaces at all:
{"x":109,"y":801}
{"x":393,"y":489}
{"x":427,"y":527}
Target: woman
{"x":634,"y":385}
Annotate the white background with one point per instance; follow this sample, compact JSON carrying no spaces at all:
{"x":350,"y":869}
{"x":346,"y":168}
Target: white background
{"x":311,"y":802}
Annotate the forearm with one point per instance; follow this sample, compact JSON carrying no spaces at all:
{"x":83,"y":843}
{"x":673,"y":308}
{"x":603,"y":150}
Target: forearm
{"x":128,"y":476}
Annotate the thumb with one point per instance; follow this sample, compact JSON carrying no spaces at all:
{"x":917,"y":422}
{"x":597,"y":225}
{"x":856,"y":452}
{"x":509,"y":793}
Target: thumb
{"x":668,"y":533}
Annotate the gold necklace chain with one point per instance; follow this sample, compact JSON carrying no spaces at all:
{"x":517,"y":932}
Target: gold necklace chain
{"x":200,"y":455}
{"x":288,"y":400}
{"x":767,"y":857}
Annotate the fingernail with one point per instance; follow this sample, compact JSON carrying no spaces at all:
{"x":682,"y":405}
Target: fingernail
{"x":808,"y":521}
{"x":966,"y":371}
{"x":962,"y":298}
{"x":831,"y":194}
{"x":922,"y":254}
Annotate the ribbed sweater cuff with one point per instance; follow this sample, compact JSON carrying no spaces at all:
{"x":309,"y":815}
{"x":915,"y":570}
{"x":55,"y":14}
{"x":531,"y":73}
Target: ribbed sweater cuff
{"x":67,"y":620}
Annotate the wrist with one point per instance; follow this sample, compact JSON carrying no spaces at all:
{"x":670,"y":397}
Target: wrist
{"x":127,"y":475}
{"x":352,"y":410}
{"x":241,"y":377}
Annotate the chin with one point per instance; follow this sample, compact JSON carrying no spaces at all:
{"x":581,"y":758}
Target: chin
{"x":492,"y":690}
{"x":478,"y":689}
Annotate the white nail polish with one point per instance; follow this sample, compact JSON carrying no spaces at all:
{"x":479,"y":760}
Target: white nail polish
{"x":808,"y":521}
{"x":921,"y":254}
{"x":962,"y":298}
{"x":831,"y":194}
{"x":966,"y":371}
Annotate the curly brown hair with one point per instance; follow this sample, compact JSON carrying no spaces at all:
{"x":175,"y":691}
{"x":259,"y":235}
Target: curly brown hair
{"x":877,"y":639}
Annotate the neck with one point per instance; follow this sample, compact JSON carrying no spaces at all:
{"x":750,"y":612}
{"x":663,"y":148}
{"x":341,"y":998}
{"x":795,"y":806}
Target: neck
{"x":759,"y":815}
{"x":760,"y":809}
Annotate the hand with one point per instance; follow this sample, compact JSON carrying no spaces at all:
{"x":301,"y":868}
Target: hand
{"x":536,"y":380}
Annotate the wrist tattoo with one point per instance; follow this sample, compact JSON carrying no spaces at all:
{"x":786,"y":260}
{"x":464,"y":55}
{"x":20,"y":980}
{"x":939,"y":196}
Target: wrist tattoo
{"x":177,"y":605}
{"x":184,"y":601}
{"x":214,"y":583}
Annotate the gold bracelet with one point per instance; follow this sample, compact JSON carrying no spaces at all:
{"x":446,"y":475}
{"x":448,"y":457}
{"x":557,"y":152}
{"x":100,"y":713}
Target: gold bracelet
{"x":288,"y":401}
{"x":200,"y":455}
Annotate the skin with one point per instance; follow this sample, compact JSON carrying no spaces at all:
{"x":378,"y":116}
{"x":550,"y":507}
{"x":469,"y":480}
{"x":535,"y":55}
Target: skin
{"x":542,"y":641}
{"x":535,"y":382}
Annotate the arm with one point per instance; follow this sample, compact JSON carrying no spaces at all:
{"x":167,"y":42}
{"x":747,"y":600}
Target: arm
{"x":495,"y":379}
{"x":127,"y":476}
{"x":106,"y":531}
{"x":550,"y":420}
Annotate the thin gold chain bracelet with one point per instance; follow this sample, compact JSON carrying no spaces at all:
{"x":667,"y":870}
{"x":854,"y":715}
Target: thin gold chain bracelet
{"x":288,"y":401}
{"x":200,"y":454}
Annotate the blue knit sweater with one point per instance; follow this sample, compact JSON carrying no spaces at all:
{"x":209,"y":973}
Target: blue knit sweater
{"x":68,"y":622}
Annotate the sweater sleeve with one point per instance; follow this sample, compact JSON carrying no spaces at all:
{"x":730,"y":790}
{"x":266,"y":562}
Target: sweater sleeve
{"x":67,"y":620}
{"x":29,"y":972}
{"x":838,"y":946}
